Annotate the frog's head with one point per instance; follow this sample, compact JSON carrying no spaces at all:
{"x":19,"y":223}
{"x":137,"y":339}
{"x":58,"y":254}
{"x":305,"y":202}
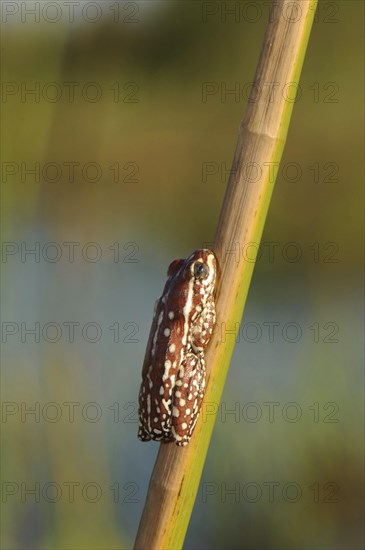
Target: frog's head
{"x":198,"y":272}
{"x":202,"y":267}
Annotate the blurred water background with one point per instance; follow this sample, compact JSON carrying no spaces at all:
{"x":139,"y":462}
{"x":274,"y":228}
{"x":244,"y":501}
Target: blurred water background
{"x":114,"y":165}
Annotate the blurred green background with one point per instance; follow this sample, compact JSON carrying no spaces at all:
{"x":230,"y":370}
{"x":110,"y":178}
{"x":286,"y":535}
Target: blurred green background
{"x":129,"y":161}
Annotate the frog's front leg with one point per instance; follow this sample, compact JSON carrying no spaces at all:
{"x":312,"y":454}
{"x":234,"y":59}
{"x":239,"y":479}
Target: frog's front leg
{"x":203,"y":326}
{"x":187,"y":397}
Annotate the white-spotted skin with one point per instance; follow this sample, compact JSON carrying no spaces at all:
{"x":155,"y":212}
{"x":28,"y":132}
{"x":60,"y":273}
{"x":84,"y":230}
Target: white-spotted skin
{"x":173,"y":374}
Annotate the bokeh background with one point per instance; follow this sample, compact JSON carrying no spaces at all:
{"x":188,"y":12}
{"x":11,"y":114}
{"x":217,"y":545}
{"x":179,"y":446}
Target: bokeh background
{"x":114,"y":165}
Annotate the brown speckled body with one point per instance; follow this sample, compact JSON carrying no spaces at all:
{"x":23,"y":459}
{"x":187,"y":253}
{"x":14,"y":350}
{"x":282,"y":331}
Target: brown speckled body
{"x":173,"y":375}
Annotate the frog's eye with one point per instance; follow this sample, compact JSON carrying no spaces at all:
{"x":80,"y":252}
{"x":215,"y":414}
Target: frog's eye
{"x":201,"y":270}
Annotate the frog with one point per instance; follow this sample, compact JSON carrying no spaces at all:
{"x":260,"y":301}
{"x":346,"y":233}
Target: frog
{"x":174,"y":370}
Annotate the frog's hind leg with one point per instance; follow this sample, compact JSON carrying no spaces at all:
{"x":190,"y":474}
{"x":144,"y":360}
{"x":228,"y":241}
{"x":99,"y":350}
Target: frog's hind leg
{"x":187,"y":397}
